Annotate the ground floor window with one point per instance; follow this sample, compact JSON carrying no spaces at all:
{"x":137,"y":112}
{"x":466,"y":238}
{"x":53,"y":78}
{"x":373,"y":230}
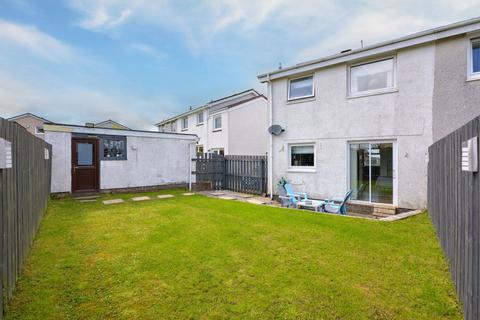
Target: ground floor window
{"x":199,"y":149}
{"x":302,"y":155}
{"x":219,"y":151}
{"x":114,"y":148}
{"x":371,"y":172}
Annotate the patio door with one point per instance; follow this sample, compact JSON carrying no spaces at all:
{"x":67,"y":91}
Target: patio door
{"x":85,"y":165}
{"x":372,"y":171}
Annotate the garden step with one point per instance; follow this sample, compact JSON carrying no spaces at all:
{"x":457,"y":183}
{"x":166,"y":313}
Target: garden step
{"x":164,"y":196}
{"x":140,"y":198}
{"x":113,"y":201}
{"x":188,"y":194}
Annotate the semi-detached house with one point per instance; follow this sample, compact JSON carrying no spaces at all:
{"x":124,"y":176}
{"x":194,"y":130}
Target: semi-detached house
{"x":232,"y":125}
{"x":363,"y":119}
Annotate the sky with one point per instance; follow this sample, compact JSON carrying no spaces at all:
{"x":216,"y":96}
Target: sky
{"x":138,"y":62}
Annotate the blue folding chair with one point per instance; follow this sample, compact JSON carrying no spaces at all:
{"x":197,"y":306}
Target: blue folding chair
{"x":296,"y":195}
{"x":332,"y":207}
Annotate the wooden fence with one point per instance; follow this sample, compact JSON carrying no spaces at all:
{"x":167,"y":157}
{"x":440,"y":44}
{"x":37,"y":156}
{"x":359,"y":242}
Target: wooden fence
{"x":454,"y":207}
{"x":237,"y":173}
{"x":24,"y":192}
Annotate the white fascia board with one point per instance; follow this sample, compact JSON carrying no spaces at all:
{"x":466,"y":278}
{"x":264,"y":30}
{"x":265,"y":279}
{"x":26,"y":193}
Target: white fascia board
{"x":383,"y":48}
{"x":118,"y":132}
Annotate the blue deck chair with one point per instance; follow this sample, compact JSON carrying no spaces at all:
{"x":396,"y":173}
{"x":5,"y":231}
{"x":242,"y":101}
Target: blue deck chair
{"x":288,"y":201}
{"x":296,"y":195}
{"x":341,"y":208}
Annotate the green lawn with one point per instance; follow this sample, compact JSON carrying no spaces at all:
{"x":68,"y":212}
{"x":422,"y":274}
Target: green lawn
{"x":202,"y":258}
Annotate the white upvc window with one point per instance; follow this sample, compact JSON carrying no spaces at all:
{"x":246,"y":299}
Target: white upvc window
{"x":301,"y":156}
{"x":184,"y":123}
{"x":474,"y":59}
{"x":217,"y":123}
{"x":200,"y":118}
{"x":173,"y":126}
{"x":372,"y":77}
{"x":300,"y":88}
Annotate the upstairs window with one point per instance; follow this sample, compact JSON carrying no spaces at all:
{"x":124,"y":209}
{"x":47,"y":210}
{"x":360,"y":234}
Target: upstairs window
{"x":475,"y":57}
{"x":114,"y":148}
{"x":200,"y":118}
{"x":184,"y":123}
{"x":217,"y":123}
{"x":300,"y":88}
{"x":372,"y":77}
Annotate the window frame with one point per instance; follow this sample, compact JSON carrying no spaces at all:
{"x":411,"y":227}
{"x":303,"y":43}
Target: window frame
{"x":37,"y":130}
{"x":302,"y":168}
{"x":393,"y":88}
{"x":470,"y":74}
{"x":302,"y":97}
{"x":184,"y":124}
{"x":199,"y":146}
{"x":111,"y":137}
{"x":217,"y":151}
{"x":214,"y":123}
{"x":199,"y":123}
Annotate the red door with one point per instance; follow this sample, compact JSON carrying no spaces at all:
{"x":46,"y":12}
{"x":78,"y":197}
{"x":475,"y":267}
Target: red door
{"x":85,"y":165}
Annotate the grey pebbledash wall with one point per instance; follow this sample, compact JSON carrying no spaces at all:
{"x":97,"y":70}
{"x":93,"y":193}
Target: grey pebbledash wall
{"x":455,"y":100}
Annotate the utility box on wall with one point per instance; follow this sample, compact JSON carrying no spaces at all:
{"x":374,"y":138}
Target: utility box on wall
{"x":5,"y":154}
{"x":470,"y":155}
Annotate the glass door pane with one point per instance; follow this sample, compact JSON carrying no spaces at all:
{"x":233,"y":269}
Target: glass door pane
{"x":382,"y":172}
{"x":84,"y":154}
{"x":359,"y":171}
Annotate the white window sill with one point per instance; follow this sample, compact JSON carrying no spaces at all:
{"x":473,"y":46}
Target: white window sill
{"x":473,"y":77}
{"x":216,"y":130}
{"x":372,"y":93}
{"x":300,"y":100}
{"x":302,"y":169}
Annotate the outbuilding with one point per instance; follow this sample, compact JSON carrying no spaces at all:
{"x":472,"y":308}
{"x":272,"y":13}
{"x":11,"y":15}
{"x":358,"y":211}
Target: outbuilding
{"x":89,"y":159}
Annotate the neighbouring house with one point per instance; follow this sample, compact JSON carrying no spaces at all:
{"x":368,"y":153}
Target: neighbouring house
{"x":111,"y":124}
{"x":233,"y":125}
{"x":93,"y":159}
{"x":363,"y":119}
{"x":33,"y":123}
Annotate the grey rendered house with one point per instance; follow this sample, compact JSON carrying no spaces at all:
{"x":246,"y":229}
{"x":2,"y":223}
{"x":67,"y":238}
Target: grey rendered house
{"x":232,"y":125}
{"x":363,"y":119}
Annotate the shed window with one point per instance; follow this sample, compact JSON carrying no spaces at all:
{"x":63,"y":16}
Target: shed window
{"x":373,"y":76}
{"x":300,"y":88}
{"x":302,"y":155}
{"x":114,"y":148}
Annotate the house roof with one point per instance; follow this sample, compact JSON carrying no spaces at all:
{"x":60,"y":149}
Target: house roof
{"x":429,"y":35}
{"x":215,"y":102}
{"x":113,"y":123}
{"x":28,"y":114}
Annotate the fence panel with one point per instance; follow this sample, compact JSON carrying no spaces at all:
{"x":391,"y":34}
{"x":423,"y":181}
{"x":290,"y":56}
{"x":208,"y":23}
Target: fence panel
{"x":24,"y":193}
{"x":233,"y":172}
{"x":454,"y":207}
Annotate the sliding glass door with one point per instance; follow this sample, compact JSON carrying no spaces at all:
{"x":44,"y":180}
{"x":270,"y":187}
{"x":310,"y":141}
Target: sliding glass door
{"x":372,"y":171}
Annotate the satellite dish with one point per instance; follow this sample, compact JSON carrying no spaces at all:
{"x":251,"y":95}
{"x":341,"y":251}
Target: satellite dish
{"x":275,"y":130}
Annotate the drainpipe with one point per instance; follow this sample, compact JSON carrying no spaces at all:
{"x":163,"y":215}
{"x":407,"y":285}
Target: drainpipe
{"x":270,"y":138}
{"x":190,"y":163}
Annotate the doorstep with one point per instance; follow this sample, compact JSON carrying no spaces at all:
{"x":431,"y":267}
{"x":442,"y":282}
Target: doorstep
{"x":376,"y":209}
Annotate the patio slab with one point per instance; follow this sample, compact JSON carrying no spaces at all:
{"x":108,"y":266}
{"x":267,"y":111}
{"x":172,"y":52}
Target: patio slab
{"x":140,"y":198}
{"x":227,"y":198}
{"x":188,"y":193}
{"x":113,"y":201}
{"x":165,"y":196}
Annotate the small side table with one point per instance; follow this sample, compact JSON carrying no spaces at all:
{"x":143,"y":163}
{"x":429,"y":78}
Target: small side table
{"x":315,"y":205}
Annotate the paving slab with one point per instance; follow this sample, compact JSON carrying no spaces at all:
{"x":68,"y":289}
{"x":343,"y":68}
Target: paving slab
{"x":246,"y":196}
{"x":165,"y":196}
{"x":87,"y":200}
{"x":140,"y":198}
{"x":256,"y":201}
{"x":401,"y":216}
{"x":227,"y":198}
{"x":113,"y":201}
{"x":188,"y":194}
{"x":217,"y":193}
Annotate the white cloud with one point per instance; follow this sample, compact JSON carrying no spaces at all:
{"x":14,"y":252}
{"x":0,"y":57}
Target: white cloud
{"x":30,"y":38}
{"x":148,"y":50}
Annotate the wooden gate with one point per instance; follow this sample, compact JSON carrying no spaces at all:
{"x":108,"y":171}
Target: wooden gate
{"x":234,"y":172}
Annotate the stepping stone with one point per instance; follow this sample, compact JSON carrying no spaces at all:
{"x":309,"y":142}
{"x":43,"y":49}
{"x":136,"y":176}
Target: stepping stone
{"x":256,"y":201}
{"x":164,"y":196}
{"x":113,"y":201}
{"x":87,"y":200}
{"x":188,"y":194}
{"x":140,"y":198}
{"x":227,"y":198}
{"x":218,"y":193}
